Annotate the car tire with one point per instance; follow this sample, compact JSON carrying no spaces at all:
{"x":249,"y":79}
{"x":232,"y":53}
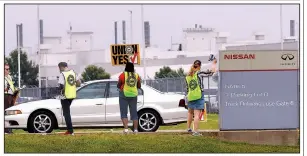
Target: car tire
{"x":149,"y":121}
{"x":41,"y":122}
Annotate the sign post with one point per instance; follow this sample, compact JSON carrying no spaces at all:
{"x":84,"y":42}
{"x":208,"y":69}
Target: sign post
{"x":258,"y":90}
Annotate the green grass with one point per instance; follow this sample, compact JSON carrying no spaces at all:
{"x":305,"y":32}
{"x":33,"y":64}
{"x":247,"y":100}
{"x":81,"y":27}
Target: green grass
{"x":212,"y":123}
{"x":140,"y":143}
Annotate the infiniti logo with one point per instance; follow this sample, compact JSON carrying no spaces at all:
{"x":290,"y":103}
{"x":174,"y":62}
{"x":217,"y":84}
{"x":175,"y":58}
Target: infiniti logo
{"x":287,"y":57}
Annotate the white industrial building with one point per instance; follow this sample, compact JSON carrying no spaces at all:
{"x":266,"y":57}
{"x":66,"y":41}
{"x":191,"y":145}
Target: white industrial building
{"x":198,"y":43}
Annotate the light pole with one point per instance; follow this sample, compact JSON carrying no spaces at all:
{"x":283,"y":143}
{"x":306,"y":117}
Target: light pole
{"x":143,"y":43}
{"x":131,"y":27}
{"x":18,"y":50}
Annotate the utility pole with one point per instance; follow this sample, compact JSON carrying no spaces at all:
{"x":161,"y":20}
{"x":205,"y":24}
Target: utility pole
{"x":18,"y":50}
{"x":131,"y":28}
{"x":38,"y":49}
{"x":143,"y":43}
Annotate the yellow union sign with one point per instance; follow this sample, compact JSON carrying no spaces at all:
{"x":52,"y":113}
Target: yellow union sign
{"x":123,"y":53}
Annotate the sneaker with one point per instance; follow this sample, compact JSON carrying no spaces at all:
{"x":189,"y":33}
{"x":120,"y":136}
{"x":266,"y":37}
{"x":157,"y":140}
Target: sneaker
{"x":69,"y":133}
{"x":135,"y":131}
{"x":189,"y":130}
{"x":125,"y":131}
{"x":196,"y":134}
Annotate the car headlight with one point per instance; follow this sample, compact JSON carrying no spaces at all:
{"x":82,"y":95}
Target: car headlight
{"x":12,"y":112}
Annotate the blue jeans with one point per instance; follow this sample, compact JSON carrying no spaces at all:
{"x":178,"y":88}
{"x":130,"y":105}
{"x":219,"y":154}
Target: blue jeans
{"x":197,"y":104}
{"x":124,"y":103}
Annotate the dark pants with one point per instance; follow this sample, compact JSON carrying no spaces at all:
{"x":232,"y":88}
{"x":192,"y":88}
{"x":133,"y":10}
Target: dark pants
{"x":66,"y":112}
{"x":8,"y":102}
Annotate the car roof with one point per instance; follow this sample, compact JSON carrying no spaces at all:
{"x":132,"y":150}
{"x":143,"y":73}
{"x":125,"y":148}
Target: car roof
{"x":115,"y":80}
{"x":104,"y":80}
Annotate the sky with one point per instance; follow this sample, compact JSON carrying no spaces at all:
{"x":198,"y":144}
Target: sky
{"x":166,"y":21}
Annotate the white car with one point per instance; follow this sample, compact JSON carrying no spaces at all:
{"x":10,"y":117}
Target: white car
{"x":97,"y":105}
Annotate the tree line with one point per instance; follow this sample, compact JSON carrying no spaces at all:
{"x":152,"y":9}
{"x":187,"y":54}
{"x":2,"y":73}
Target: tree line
{"x":29,"y":70}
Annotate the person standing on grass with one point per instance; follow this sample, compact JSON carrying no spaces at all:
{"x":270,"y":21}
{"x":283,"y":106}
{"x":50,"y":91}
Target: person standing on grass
{"x":9,"y":90}
{"x":68,"y":84}
{"x":128,"y":83}
{"x":195,"y":95}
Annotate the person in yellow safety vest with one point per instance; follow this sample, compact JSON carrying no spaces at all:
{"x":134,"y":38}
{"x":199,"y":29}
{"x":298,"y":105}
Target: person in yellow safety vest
{"x":195,"y":95}
{"x":68,"y":83}
{"x":128,"y":83}
{"x":9,"y":90}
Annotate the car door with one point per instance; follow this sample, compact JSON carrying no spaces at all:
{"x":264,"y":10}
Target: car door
{"x":89,"y":106}
{"x":112,"y":104}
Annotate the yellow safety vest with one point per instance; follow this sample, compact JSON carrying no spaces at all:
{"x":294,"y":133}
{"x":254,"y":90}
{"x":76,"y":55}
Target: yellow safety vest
{"x":11,"y":83}
{"x":130,"y":86}
{"x":194,"y":91}
{"x":70,"y":89}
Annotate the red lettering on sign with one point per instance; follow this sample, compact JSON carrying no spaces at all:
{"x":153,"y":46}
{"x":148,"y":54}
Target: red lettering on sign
{"x":239,"y":56}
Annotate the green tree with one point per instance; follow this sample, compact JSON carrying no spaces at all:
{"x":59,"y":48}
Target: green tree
{"x":93,"y":72}
{"x":28,"y":69}
{"x":167,"y":72}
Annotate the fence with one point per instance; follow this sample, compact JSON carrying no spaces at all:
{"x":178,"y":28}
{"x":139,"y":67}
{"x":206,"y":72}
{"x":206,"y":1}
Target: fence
{"x":176,"y":85}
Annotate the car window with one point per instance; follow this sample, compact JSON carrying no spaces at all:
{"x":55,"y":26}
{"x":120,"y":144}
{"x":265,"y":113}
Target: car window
{"x":92,"y":91}
{"x":114,"y":91}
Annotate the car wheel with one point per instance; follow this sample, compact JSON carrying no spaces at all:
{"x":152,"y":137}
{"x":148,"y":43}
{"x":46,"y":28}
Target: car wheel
{"x":41,"y":122}
{"x":149,"y":121}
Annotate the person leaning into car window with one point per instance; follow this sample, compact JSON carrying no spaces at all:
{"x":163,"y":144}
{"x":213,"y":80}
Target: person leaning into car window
{"x":195,"y":95}
{"x":128,"y":83}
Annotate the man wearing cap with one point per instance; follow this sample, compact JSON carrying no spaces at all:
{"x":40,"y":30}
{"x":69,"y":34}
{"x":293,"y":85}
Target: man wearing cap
{"x":68,"y":83}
